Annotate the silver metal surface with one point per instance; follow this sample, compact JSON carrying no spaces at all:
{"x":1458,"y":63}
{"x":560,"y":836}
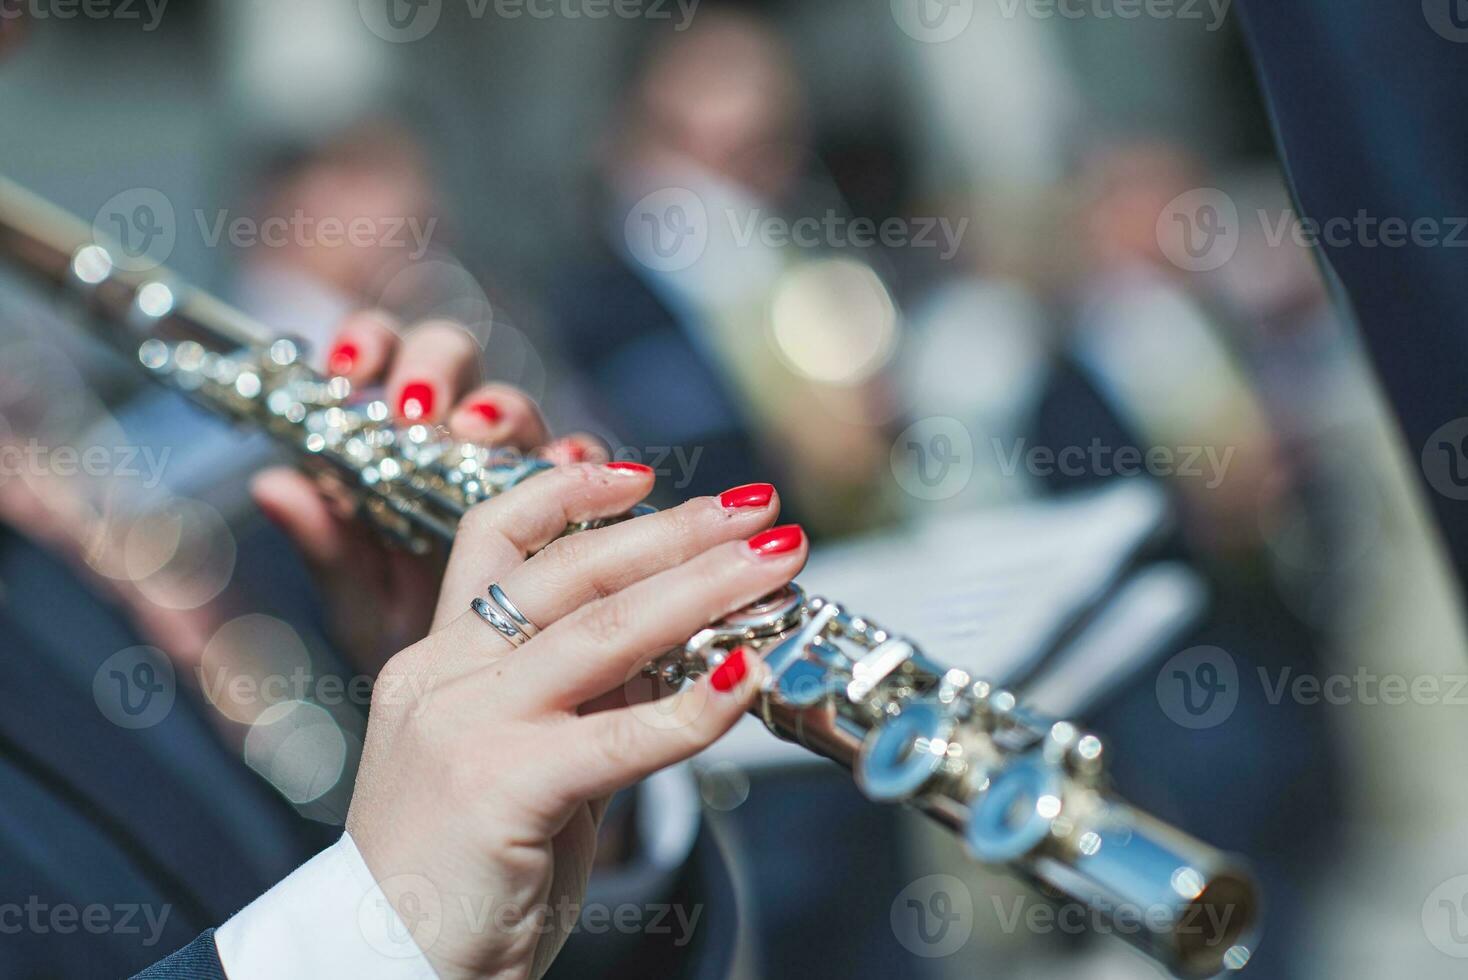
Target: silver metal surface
{"x":1021,"y":790}
{"x":495,"y":617}
{"x":498,"y":597}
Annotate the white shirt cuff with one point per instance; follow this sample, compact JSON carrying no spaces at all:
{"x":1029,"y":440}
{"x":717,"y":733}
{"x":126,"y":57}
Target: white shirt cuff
{"x":328,"y":918}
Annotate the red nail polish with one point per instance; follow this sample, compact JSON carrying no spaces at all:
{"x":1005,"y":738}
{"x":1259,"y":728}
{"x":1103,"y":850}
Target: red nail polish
{"x":343,"y":358}
{"x":728,"y":674}
{"x":488,"y":411}
{"x":777,"y":540}
{"x":416,"y":401}
{"x":568,"y":451}
{"x":637,"y":469}
{"x":749,"y":495}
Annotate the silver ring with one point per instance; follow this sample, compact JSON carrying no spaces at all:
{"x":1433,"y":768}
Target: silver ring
{"x":498,"y":597}
{"x":496,"y":617}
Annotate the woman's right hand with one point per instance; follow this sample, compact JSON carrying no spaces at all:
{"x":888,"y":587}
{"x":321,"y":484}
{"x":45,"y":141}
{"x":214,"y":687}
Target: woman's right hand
{"x":487,"y":768}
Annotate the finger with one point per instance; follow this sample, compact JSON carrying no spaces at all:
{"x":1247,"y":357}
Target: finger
{"x":364,"y":346}
{"x":638,"y":689}
{"x":611,"y":750}
{"x":499,"y":415}
{"x":436,"y":360}
{"x":601,"y":645}
{"x":579,"y":447}
{"x":581,"y":568}
{"x":497,"y":535}
{"x":294,"y":504}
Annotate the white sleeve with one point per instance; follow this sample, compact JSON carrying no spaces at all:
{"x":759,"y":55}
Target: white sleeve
{"x":328,"y":918}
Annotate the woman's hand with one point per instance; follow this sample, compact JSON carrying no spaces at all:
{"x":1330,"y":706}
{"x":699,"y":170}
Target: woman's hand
{"x":487,"y":768}
{"x":380,"y":598}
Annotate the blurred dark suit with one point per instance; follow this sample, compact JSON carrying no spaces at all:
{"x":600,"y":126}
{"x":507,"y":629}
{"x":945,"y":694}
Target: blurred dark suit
{"x":1367,"y":102}
{"x":646,"y":382}
{"x":1267,"y":782}
{"x":163,"y":819}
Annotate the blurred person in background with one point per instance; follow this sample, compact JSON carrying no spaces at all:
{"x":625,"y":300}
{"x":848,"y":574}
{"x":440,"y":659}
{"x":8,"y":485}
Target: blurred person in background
{"x":1150,"y":364}
{"x":328,"y":228}
{"x":359,"y":206}
{"x":767,"y":359}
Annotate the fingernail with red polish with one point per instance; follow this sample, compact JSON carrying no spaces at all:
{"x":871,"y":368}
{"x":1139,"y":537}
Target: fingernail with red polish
{"x":343,"y":358}
{"x":635,"y":469}
{"x":749,"y":495}
{"x":416,"y":401}
{"x":728,"y":674}
{"x":568,"y":451}
{"x":777,"y":540}
{"x":488,"y":411}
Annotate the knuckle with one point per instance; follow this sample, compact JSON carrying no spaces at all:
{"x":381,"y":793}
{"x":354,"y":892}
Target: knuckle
{"x":395,"y":676}
{"x":449,"y":335}
{"x":620,"y":743}
{"x":370,"y":324}
{"x":513,"y":400}
{"x":604,"y":622}
{"x":685,"y":523}
{"x":479,"y":519}
{"x":562,"y":558}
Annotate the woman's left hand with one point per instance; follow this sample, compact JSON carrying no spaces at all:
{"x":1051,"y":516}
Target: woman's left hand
{"x":380,"y":598}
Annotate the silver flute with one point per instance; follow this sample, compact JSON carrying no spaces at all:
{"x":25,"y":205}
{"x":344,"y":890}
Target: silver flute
{"x":1023,"y":791}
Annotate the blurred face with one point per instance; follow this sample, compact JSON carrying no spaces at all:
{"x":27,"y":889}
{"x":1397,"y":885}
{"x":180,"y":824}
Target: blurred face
{"x":370,"y":196}
{"x":1133,"y":187}
{"x":725,"y":96}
